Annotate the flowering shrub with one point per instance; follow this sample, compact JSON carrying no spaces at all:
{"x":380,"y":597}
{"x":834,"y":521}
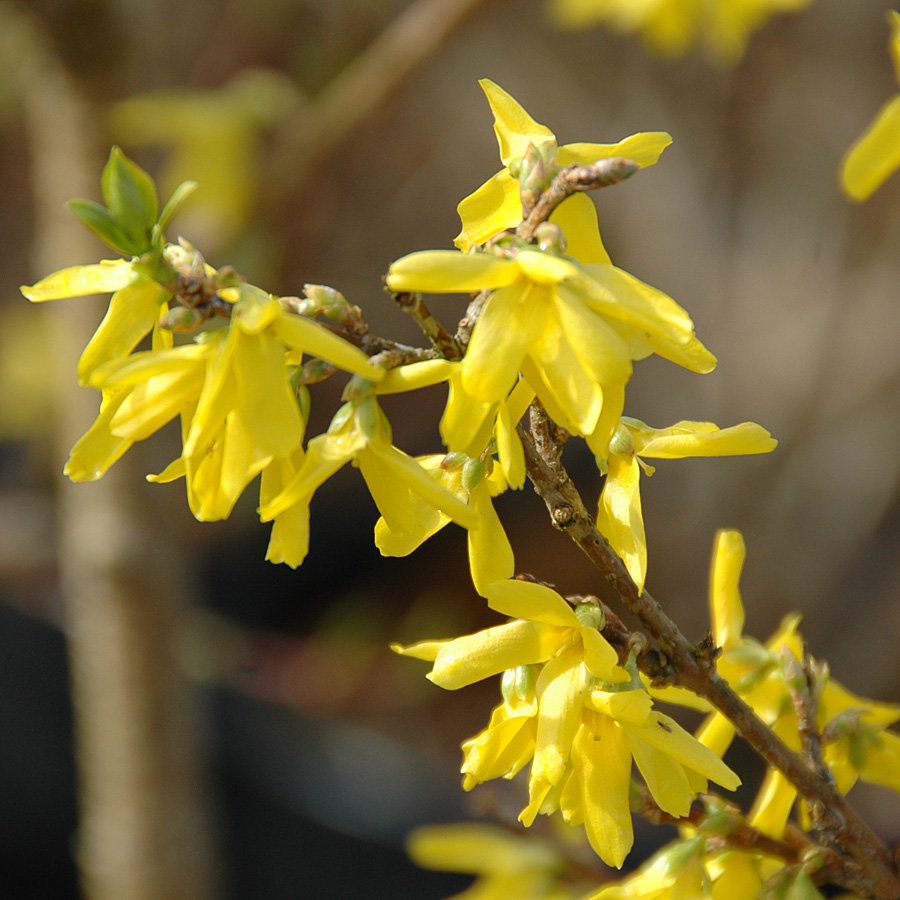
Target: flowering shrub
{"x":543,"y":355}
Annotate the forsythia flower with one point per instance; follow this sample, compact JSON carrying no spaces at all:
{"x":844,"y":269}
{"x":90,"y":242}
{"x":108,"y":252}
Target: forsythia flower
{"x":579,"y":721}
{"x":671,"y":28}
{"x":619,"y":516}
{"x":360,"y":433}
{"x":877,"y":153}
{"x":507,"y":865}
{"x":497,"y":205}
{"x":490,"y":554}
{"x":853,"y":728}
{"x":134,"y":309}
{"x":572,"y":331}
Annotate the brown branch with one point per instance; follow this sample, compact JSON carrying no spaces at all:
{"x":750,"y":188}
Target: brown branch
{"x":683,"y":664}
{"x":441,"y":339}
{"x":570,"y":181}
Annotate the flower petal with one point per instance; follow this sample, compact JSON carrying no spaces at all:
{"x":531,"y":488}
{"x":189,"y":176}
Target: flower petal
{"x":875,"y":155}
{"x":515,"y":129}
{"x":490,"y":554}
{"x":528,"y":600}
{"x":726,"y":608}
{"x":78,"y":281}
{"x":704,"y":439}
{"x":473,"y":657}
{"x":619,"y":517}
{"x":450,"y":272}
{"x":644,"y":148}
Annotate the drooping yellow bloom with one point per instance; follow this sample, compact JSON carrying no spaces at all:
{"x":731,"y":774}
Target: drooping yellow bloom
{"x":672,"y":28}
{"x":876,"y":154}
{"x":571,"y":331}
{"x":619,"y":516}
{"x":497,"y":205}
{"x":507,"y":865}
{"x":133,"y":311}
{"x":854,"y":729}
{"x":360,"y":433}
{"x":490,"y":554}
{"x":581,"y":720}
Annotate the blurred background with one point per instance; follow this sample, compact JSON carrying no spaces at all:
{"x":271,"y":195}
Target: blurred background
{"x":302,"y":750}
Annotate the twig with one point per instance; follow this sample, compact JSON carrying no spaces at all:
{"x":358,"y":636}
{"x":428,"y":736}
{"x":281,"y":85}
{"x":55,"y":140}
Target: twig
{"x":570,"y":181}
{"x":681,"y":662}
{"x":441,"y":339}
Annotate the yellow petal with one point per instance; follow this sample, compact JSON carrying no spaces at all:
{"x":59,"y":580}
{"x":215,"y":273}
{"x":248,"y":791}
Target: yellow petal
{"x":476,"y":656}
{"x":98,"y":448}
{"x":406,"y":470}
{"x":515,"y":129}
{"x":875,"y":155}
{"x":149,"y":406}
{"x":132,"y":314}
{"x":704,"y":439}
{"x":664,"y":776}
{"x":644,"y":148}
{"x":528,"y":600}
{"x":466,"y":423}
{"x":600,"y":657}
{"x":603,"y":758}
{"x":310,"y":337}
{"x":560,"y":687}
{"x":450,"y":272}
{"x":512,"y":320}
{"x":492,"y":208}
{"x":619,"y":517}
{"x":77,"y":281}
{"x":415,"y":376}
{"x":577,"y":217}
{"x":773,"y":804}
{"x":501,"y":750}
{"x":427,"y":650}
{"x":510,"y":452}
{"x":726,"y":608}
{"x":628,"y":707}
{"x":490,"y":553}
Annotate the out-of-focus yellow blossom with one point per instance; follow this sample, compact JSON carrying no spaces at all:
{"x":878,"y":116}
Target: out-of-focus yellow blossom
{"x":856,"y":742}
{"x":572,"y":333}
{"x":674,"y":872}
{"x":672,"y":28}
{"x":578,"y":720}
{"x":490,"y":554}
{"x":360,"y":433}
{"x":619,"y":516}
{"x":134,"y":309}
{"x":876,"y":154}
{"x":497,"y":205}
{"x":507,"y":865}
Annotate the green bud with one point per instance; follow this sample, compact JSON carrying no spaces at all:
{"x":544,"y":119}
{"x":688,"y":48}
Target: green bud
{"x":550,"y":238}
{"x":473,"y":472}
{"x":518,"y":684}
{"x":358,"y":388}
{"x":590,"y":615}
{"x":174,"y":203}
{"x":340,"y":419}
{"x":622,"y":441}
{"x":454,"y":460}
{"x":325,"y":299}
{"x":182,"y":319}
{"x":371,"y":420}
{"x":602,"y":465}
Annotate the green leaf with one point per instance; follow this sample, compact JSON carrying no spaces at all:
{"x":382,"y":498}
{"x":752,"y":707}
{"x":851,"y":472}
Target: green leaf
{"x":130,"y":194}
{"x":179,"y":195}
{"x":101,"y":222}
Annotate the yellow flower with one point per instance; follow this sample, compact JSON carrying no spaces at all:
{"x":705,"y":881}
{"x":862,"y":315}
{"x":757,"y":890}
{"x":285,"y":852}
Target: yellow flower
{"x":134,"y":309}
{"x":571,"y":331}
{"x":496,"y":205}
{"x":619,"y":516}
{"x":854,"y":729}
{"x":876,"y":154}
{"x":490,"y":554}
{"x":507,"y":865}
{"x":360,"y":433}
{"x":580,"y":721}
{"x":671,"y":28}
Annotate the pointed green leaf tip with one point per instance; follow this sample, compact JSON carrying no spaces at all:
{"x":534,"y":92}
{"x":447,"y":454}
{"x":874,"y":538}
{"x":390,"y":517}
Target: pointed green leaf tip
{"x":101,"y":221}
{"x":130,"y":196}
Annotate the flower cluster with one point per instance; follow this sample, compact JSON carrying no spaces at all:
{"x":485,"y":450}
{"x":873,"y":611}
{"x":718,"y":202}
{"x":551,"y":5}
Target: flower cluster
{"x":672,"y":28}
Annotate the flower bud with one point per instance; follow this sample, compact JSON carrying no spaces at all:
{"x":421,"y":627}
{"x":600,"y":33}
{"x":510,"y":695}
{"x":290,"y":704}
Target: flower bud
{"x":518,"y":684}
{"x":473,"y":472}
{"x":622,"y":441}
{"x":550,"y":238}
{"x":590,"y":615}
{"x":182,"y":319}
